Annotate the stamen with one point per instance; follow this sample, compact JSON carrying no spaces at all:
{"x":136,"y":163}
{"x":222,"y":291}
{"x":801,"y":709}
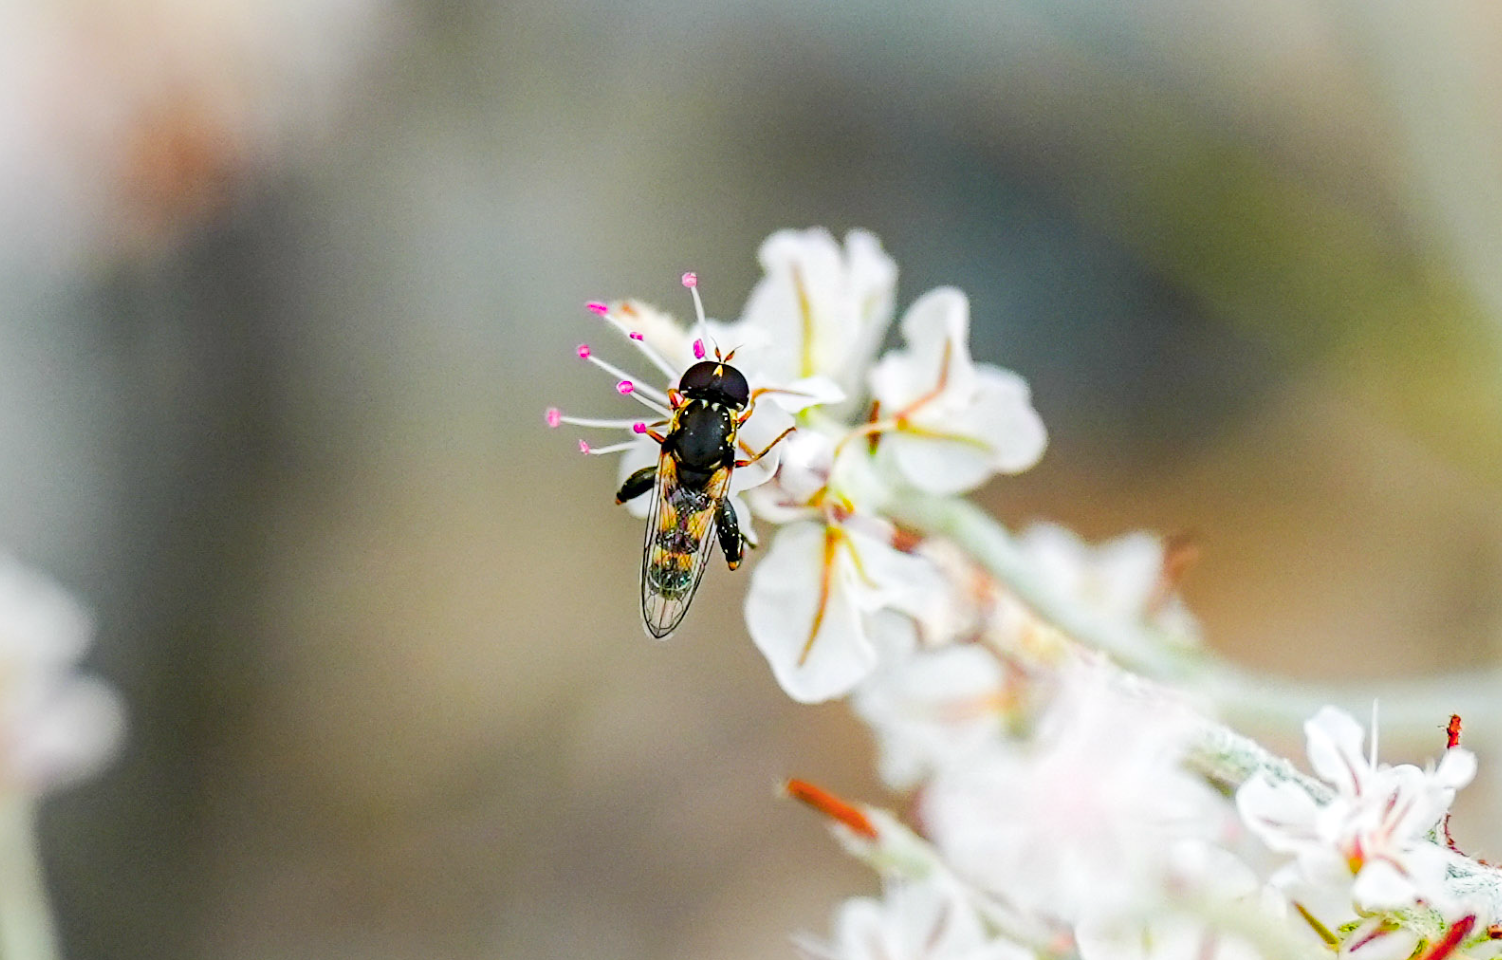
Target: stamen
{"x":1452,"y":732}
{"x":638,"y":390}
{"x":831,"y":806}
{"x":583,"y":351}
{"x":553,"y":417}
{"x":641,"y":344}
{"x":595,"y":306}
{"x":638,"y":427}
{"x":698,"y":349}
{"x":625,"y":386}
{"x":691,"y":280}
{"x":613,"y":448}
{"x":610,"y":424}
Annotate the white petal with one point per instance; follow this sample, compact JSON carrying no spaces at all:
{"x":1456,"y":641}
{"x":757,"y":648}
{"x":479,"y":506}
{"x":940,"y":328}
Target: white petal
{"x":937,"y":466}
{"x":1380,"y":886}
{"x":813,"y":637}
{"x":64,"y":733}
{"x":937,"y":322}
{"x":1002,"y":415}
{"x":41,"y":625}
{"x":1334,"y":745}
{"x":807,"y":392}
{"x":1456,"y":769}
{"x":1281,"y":814}
{"x":767,"y":422}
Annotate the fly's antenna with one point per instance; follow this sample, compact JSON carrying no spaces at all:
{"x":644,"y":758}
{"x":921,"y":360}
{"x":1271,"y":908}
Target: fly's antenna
{"x":691,"y":281}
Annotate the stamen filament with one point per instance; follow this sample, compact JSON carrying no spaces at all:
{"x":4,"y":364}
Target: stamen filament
{"x":655,"y":358}
{"x":639,"y":389}
{"x":614,"y":424}
{"x":691,"y":280}
{"x":612,"y":448}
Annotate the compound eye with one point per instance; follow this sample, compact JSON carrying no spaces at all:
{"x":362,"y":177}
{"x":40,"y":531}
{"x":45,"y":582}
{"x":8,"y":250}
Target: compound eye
{"x":735,"y":388}
{"x":699,"y":377}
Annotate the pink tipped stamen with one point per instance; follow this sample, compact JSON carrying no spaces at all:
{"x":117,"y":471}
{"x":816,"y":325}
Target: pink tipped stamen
{"x":595,"y":306}
{"x":647,"y":395}
{"x":599,"y":451}
{"x":583,"y":351}
{"x":690,"y":280}
{"x":698,"y":307}
{"x":612,"y":423}
{"x":638,"y":427}
{"x":554,"y":416}
{"x":641,"y":344}
{"x":625,"y":386}
{"x":698,"y":349}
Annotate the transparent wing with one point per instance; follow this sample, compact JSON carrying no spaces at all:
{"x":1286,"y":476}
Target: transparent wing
{"x":679,"y":538}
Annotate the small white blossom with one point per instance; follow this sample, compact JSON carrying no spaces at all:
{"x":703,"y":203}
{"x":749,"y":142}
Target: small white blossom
{"x":1373,"y":836}
{"x":818,"y":598}
{"x":55,"y":727}
{"x":952,"y":423}
{"x":818,"y":310}
{"x":932,"y":708}
{"x":1122,"y":579}
{"x":914,"y":920}
{"x":1078,"y":824}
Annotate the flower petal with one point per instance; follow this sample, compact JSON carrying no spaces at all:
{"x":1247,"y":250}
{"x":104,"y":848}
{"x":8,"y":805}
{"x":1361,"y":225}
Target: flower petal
{"x":803,"y":616}
{"x":1334,"y":745}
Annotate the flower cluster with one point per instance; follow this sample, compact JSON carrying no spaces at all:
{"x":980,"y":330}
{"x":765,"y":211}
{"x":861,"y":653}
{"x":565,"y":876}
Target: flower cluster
{"x":1067,"y":807}
{"x":837,"y":590}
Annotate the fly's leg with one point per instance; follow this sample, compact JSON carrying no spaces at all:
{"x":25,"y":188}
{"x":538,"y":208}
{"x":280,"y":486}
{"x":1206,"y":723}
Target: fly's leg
{"x":729,"y":530}
{"x":764,"y":450}
{"x":637,"y":484}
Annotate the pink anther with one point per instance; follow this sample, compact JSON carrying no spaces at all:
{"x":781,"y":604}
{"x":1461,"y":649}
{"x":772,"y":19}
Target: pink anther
{"x":595,"y":306}
{"x":698,"y":350}
{"x":690,"y":280}
{"x":583,"y":447}
{"x":634,"y":335}
{"x":554,"y":416}
{"x":638,"y":427}
{"x":583,"y":351}
{"x":625,"y":386}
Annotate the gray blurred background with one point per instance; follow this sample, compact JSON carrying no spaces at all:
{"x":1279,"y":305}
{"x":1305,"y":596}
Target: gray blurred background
{"x":284,"y":293}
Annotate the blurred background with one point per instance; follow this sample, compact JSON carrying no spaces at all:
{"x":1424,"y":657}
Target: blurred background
{"x":285,"y":288}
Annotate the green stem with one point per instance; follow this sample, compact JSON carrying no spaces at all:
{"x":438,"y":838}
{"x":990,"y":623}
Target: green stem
{"x":26,"y":931}
{"x":1410,"y":709}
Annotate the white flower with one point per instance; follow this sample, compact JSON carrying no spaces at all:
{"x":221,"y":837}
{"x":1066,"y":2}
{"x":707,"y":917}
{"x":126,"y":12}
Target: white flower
{"x":818,"y":310}
{"x":821,"y":601}
{"x":1124,"y":579}
{"x":1373,"y":836}
{"x":914,"y":920}
{"x":931,"y":709}
{"x":1079,"y":823}
{"x":672,"y":349}
{"x":948,"y":423}
{"x":55,"y":726}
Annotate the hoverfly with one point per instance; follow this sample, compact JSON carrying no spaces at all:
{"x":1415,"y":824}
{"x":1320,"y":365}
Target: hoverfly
{"x":690,"y":484}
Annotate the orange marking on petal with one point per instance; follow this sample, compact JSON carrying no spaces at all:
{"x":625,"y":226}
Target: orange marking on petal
{"x":831,"y":806}
{"x":806,"y":317}
{"x":831,"y":543}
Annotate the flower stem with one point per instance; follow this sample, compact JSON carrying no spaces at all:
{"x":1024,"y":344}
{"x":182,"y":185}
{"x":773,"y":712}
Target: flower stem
{"x":1411,"y":709}
{"x":26,"y":931}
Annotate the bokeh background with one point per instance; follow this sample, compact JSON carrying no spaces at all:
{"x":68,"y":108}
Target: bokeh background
{"x":286,"y":286}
